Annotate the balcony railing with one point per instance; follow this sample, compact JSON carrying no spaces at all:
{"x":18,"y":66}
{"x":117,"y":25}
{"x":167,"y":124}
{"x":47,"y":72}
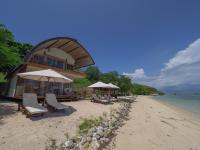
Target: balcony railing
{"x":51,"y":61}
{"x":69,"y":73}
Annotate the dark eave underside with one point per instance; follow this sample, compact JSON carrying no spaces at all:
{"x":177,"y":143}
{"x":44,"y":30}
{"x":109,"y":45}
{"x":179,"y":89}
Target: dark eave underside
{"x":70,"y":46}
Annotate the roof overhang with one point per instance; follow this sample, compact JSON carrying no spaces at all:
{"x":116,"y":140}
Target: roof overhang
{"x":69,"y":45}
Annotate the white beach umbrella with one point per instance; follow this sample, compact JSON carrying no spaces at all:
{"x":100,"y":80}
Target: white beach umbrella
{"x":45,"y":75}
{"x":113,"y":86}
{"x":99,"y":85}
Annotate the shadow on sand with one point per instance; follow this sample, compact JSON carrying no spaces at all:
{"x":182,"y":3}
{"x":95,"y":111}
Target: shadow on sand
{"x":49,"y":114}
{"x":6,"y":109}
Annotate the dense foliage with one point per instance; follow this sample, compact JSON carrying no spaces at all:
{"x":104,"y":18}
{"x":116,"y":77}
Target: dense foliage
{"x":93,"y":74}
{"x":2,"y":77}
{"x":110,"y":77}
{"x":81,"y":83}
{"x":139,"y":89}
{"x":125,"y":83}
{"x":11,"y":51}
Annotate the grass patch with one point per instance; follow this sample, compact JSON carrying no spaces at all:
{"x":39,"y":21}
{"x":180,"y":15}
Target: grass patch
{"x":87,"y":123}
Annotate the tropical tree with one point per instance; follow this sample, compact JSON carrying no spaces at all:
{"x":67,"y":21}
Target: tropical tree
{"x":125,"y":84}
{"x":81,"y":83}
{"x":11,"y":52}
{"x":21,"y":48}
{"x":93,"y":74}
{"x":2,"y":77}
{"x":8,"y":58}
{"x":110,"y":77}
{"x":5,"y":34}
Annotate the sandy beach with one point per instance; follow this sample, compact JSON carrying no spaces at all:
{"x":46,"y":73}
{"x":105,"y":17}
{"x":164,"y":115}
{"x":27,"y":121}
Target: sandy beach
{"x":155,"y":126}
{"x":152,"y":126}
{"x":20,"y":133}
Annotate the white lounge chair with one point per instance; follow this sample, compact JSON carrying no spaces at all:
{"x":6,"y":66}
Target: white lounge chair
{"x":105,"y":99}
{"x":113,"y":99}
{"x":52,"y":102}
{"x":95,"y":98}
{"x":31,"y":105}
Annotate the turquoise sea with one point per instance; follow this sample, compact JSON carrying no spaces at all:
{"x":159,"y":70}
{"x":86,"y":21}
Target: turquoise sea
{"x":187,"y":101}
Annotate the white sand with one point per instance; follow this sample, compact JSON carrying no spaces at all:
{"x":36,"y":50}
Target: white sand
{"x":155,"y":126}
{"x":152,"y":126}
{"x":20,"y":133}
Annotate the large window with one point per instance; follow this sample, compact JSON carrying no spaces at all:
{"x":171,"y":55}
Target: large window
{"x":59,"y":88}
{"x":50,"y":61}
{"x":38,"y":59}
{"x":60,"y":64}
{"x":55,"y":63}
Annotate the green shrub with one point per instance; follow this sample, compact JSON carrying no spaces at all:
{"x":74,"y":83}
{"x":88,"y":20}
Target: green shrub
{"x":86,"y":124}
{"x":2,"y":77}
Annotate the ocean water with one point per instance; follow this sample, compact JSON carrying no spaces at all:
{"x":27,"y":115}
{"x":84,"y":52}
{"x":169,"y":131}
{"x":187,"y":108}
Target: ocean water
{"x":187,"y":101}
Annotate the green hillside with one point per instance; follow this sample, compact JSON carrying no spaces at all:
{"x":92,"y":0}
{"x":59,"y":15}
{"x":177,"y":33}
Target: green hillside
{"x":139,"y":89}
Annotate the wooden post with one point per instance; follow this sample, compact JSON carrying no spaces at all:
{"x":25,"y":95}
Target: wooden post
{"x":65,"y":67}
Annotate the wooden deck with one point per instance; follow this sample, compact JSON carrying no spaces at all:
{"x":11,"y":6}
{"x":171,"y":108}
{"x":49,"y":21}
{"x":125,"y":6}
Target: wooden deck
{"x":61,"y":98}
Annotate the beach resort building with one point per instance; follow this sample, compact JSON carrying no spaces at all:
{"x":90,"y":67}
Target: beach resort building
{"x":62,"y":54}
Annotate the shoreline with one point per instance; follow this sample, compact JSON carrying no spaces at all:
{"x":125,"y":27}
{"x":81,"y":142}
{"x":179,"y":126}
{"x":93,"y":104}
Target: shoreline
{"x":187,"y":114}
{"x":157,"y":126}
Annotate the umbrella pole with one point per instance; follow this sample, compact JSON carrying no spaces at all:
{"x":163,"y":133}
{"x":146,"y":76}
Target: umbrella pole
{"x":23,"y":87}
{"x":47,"y":85}
{"x":46,"y":91}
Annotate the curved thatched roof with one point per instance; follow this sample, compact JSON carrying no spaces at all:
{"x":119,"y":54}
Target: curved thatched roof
{"x":69,"y":45}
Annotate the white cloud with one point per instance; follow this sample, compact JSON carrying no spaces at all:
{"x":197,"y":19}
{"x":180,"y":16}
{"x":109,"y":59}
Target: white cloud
{"x":138,"y":74}
{"x":189,"y":55}
{"x":183,"y":68}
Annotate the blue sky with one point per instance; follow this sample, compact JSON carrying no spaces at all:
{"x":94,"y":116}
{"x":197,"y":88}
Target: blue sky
{"x":121,"y":35}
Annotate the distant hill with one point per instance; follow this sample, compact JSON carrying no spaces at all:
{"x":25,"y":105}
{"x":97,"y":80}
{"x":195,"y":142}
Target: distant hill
{"x":139,"y":89}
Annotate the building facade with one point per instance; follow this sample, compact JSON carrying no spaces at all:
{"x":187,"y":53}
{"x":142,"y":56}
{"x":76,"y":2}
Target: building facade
{"x":62,"y":54}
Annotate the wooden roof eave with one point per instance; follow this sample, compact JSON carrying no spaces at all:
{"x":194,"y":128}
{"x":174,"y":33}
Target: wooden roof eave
{"x":72,"y":51}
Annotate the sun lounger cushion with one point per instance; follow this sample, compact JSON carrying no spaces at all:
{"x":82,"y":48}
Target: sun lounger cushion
{"x":31,"y":104}
{"x":34,"y":110}
{"x":52,"y":101}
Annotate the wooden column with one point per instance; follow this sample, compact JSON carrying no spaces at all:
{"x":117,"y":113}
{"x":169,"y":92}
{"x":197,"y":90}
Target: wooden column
{"x":65,"y":67}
